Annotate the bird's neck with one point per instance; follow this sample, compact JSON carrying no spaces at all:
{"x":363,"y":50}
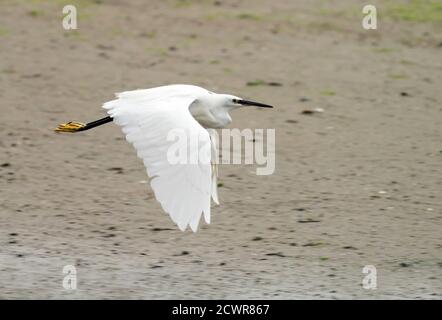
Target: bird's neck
{"x":210,"y":116}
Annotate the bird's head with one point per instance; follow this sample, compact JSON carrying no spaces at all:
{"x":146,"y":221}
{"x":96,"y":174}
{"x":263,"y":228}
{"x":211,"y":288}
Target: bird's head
{"x":233,"y":102}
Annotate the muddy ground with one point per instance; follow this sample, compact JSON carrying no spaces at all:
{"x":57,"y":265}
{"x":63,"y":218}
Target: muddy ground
{"x":357,"y":184}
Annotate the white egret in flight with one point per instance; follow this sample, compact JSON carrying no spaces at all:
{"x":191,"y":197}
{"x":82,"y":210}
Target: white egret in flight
{"x":147,"y":116}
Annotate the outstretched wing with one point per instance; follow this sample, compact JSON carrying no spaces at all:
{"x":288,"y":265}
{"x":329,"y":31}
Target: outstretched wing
{"x":151,"y":125}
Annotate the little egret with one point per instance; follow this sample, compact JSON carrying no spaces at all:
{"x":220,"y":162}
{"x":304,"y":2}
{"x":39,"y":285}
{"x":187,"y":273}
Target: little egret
{"x":147,"y":116}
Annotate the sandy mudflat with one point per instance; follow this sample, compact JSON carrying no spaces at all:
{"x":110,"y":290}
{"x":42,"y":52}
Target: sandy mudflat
{"x":358,"y":184}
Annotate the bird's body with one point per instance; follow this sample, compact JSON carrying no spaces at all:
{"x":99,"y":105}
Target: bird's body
{"x":206,"y":107}
{"x":147,"y":117}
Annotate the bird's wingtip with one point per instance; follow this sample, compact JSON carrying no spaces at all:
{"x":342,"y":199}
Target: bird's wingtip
{"x":181,"y":227}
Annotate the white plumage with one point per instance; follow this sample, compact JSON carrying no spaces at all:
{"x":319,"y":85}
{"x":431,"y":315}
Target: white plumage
{"x":147,"y":117}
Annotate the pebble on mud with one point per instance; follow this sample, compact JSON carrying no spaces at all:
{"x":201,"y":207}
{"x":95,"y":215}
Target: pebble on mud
{"x":118,"y":170}
{"x":312,"y":111}
{"x":308,"y":220}
{"x":276,"y":254}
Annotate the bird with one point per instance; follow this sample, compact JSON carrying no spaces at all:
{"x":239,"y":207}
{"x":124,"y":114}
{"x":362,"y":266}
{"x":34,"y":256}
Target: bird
{"x":146,"y":116}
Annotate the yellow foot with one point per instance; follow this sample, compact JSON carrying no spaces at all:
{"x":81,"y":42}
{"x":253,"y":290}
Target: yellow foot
{"x":71,"y":126}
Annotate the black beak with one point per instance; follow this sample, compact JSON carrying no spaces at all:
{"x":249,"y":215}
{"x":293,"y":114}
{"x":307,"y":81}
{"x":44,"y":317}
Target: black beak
{"x":252,"y":103}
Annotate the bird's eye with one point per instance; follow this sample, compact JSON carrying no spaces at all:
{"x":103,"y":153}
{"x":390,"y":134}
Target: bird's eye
{"x":235,"y":100}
